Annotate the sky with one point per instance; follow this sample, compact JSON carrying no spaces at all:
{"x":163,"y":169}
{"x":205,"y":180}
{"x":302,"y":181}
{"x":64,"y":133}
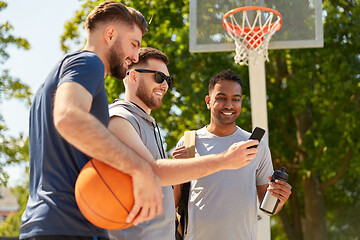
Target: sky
{"x":41,"y":22}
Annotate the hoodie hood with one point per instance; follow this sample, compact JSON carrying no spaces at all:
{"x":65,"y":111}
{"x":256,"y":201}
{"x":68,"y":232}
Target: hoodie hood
{"x":144,"y":124}
{"x":133,"y":108}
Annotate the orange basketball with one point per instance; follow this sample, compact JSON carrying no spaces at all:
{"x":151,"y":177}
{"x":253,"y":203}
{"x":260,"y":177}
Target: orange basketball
{"x":104,"y":195}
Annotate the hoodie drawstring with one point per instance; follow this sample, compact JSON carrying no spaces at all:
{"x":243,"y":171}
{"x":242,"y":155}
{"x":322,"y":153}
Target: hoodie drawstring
{"x":159,"y":145}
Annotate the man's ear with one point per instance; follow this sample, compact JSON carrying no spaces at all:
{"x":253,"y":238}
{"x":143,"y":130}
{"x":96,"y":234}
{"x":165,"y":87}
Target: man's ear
{"x":132,"y":76}
{"x":130,"y":81}
{"x":207,"y":101}
{"x":110,"y":34}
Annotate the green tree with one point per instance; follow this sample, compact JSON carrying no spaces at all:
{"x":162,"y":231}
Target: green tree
{"x":13,"y":150}
{"x":313,"y":107}
{"x":10,"y":227}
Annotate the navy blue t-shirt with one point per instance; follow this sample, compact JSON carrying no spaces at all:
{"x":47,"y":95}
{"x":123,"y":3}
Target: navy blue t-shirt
{"x":54,"y":163}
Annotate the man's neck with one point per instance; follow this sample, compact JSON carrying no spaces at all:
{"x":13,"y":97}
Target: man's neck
{"x":138,"y":102}
{"x":221,"y":130}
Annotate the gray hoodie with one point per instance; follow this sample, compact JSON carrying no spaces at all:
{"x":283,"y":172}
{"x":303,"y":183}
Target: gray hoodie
{"x":163,"y":226}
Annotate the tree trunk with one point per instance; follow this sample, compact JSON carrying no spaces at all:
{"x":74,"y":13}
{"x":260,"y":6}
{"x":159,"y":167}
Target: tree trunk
{"x":314,"y":222}
{"x":292,"y":222}
{"x":314,"y":226}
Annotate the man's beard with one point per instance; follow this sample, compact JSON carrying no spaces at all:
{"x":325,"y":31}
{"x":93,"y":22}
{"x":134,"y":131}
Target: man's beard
{"x":116,"y":61}
{"x":147,"y":98}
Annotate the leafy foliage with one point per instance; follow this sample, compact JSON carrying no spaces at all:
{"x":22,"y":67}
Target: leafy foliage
{"x":10,"y":227}
{"x":13,"y":150}
{"x":313,"y":104}
{"x":314,"y":97}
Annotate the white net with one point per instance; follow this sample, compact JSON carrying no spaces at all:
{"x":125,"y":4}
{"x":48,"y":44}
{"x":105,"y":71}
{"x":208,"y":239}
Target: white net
{"x":251,"y":30}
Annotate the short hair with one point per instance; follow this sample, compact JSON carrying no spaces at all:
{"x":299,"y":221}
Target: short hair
{"x":224,"y":75}
{"x":146,"y":53}
{"x":114,"y":11}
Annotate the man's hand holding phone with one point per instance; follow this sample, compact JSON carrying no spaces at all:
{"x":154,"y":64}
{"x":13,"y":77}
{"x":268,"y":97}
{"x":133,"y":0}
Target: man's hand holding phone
{"x":257,"y":134}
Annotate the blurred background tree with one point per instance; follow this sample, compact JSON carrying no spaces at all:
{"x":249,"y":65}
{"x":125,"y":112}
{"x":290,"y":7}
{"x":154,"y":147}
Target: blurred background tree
{"x":313,"y":104}
{"x":13,"y":150}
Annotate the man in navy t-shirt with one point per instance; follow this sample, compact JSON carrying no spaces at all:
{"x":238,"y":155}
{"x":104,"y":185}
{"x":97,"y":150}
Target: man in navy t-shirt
{"x":68,"y":126}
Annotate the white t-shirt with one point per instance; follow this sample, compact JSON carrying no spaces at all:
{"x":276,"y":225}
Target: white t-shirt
{"x":223,"y":205}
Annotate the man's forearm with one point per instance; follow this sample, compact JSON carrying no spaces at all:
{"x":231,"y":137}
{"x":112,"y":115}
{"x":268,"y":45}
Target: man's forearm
{"x":176,"y":171}
{"x":87,"y":134}
{"x":181,"y":170}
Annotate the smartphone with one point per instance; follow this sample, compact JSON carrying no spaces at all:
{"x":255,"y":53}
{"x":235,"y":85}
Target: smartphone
{"x":257,"y":134}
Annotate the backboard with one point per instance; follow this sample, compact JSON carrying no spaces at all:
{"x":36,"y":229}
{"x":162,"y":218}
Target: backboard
{"x":302,"y":25}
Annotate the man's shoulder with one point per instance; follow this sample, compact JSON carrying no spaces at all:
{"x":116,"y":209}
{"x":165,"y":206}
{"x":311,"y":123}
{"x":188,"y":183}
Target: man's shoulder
{"x":86,"y":59}
{"x":244,"y":135}
{"x":201,"y":131}
{"x":119,"y":108}
{"x":82,"y":64}
{"x":84,"y":54}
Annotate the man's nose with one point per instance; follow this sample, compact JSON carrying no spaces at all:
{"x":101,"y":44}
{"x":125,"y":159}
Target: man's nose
{"x":228,"y":104}
{"x":135,"y":56}
{"x":165,"y":85}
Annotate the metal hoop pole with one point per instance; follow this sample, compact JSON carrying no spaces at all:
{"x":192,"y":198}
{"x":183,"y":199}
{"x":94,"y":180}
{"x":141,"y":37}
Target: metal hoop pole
{"x":259,"y":118}
{"x":258,"y":92}
{"x":251,"y":41}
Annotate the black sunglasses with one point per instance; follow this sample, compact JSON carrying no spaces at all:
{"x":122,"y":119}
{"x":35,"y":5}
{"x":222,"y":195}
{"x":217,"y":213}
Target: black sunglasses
{"x":159,"y":76}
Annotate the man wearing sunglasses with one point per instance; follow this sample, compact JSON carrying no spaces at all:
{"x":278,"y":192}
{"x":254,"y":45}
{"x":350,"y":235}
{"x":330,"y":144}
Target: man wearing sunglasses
{"x":146,"y":83}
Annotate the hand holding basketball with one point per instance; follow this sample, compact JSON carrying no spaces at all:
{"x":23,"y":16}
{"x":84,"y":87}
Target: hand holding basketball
{"x":111,"y":199}
{"x":148,"y":197}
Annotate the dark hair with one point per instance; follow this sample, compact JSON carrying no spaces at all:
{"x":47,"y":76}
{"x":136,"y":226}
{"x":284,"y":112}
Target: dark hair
{"x":114,"y":11}
{"x":146,"y":53}
{"x":224,"y":75}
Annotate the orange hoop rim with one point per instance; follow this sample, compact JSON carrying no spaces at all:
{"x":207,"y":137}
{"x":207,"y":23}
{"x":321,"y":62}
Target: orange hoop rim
{"x":248,"y":29}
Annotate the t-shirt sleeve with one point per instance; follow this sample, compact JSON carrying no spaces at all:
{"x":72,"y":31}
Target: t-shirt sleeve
{"x":86,"y":70}
{"x":265,"y":167}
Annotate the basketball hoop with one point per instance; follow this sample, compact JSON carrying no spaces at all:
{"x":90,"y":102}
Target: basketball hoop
{"x":251,"y":38}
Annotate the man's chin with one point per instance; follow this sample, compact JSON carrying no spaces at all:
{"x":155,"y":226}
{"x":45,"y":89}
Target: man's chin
{"x":155,"y":105}
{"x":228,"y":122}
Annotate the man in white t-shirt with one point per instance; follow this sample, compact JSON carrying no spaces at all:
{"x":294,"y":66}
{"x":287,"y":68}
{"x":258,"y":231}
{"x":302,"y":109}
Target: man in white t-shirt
{"x":223,"y":205}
